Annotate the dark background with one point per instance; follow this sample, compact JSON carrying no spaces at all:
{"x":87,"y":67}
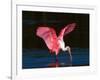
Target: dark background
{"x":31,"y":20}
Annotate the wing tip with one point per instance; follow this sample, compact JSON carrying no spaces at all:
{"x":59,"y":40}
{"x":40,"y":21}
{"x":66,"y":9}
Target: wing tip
{"x":73,"y":24}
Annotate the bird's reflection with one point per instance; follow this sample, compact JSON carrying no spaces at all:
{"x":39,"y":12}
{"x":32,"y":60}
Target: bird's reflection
{"x":59,"y":64}
{"x":54,"y":64}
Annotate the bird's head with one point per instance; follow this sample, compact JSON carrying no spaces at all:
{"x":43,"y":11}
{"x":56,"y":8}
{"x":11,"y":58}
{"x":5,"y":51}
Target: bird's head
{"x":69,"y":51}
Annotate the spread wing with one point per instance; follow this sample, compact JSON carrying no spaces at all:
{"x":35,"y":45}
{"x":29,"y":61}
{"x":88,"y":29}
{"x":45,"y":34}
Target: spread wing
{"x":66,"y":30}
{"x":49,"y":36}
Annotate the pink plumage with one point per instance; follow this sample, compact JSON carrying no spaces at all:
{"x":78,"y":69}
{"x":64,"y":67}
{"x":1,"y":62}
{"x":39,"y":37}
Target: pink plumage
{"x":66,"y":30}
{"x":49,"y":36}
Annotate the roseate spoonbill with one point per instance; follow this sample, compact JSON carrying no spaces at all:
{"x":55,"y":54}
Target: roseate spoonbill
{"x":53,"y":42}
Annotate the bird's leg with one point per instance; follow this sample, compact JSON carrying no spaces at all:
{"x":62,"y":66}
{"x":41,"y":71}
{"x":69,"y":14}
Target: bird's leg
{"x":56,"y":58}
{"x":69,"y":51}
{"x":53,"y":54}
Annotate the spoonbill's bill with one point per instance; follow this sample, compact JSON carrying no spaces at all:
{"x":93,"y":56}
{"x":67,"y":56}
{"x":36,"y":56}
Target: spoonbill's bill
{"x":53,"y":42}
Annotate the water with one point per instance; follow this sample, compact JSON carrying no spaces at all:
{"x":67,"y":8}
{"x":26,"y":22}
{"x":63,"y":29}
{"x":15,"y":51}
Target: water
{"x":34,"y":58}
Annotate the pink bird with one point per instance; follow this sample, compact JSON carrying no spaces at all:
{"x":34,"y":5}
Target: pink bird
{"x":54,"y":43}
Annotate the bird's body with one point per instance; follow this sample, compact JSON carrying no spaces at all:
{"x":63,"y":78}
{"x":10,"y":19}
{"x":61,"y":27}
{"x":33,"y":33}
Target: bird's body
{"x":53,"y":42}
{"x":62,"y":45}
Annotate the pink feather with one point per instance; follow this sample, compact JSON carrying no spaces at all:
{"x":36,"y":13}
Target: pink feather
{"x":66,"y":30}
{"x":50,"y":37}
